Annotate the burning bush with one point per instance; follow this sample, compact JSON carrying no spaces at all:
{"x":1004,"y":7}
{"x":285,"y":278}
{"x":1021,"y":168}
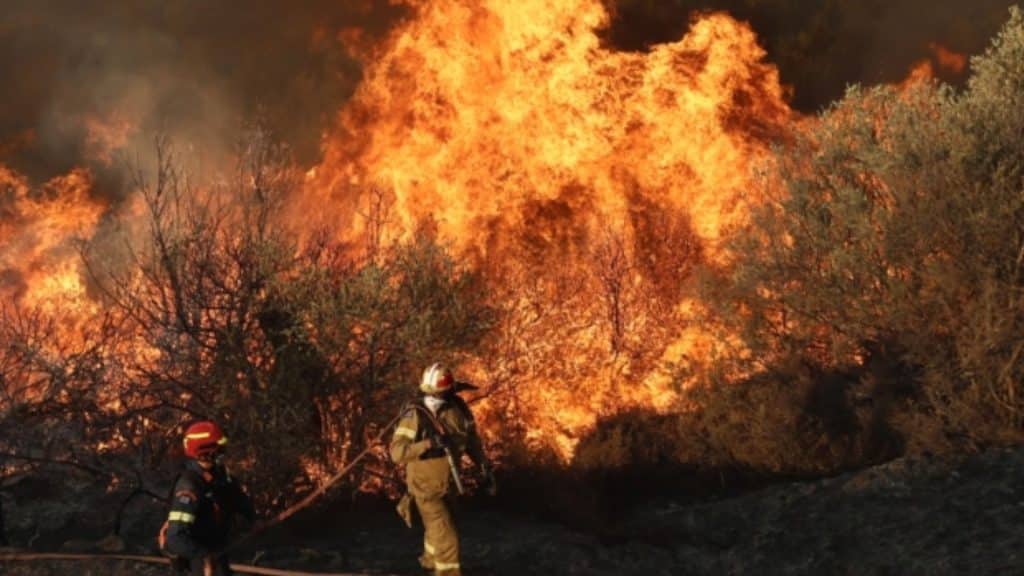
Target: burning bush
{"x":212,"y":309}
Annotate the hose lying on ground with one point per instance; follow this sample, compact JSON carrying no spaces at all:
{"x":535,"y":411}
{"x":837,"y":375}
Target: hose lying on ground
{"x":310,"y":498}
{"x":239,"y":568}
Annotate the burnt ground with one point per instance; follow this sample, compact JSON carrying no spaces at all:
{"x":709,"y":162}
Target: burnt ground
{"x":911,"y":516}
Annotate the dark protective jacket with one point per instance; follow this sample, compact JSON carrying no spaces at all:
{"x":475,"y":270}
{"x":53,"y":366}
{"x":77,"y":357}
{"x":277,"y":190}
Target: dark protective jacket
{"x":203,"y":509}
{"x":427,"y":471}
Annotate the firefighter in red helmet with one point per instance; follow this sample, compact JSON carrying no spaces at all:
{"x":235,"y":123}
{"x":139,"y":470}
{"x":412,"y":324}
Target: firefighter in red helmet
{"x":205,"y":502}
{"x":429,"y":440}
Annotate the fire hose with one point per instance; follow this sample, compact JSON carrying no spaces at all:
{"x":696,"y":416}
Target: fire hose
{"x":240,"y":568}
{"x":312,"y":496}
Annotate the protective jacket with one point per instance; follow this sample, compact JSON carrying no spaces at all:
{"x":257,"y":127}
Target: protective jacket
{"x":427,"y":471}
{"x":428,"y":475}
{"x":203,"y":509}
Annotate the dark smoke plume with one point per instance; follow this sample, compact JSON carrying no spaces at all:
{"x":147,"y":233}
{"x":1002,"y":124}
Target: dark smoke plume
{"x":195,"y":69}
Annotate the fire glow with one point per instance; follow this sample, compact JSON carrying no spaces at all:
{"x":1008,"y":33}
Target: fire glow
{"x":584,"y":182}
{"x":38,"y":231}
{"x":537,"y":152}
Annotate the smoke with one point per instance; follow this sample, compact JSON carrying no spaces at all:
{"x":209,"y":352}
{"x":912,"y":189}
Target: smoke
{"x":821,"y":47}
{"x":84,"y":79}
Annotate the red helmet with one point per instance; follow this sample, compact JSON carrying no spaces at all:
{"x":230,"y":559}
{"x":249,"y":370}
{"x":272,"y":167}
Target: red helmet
{"x":203,"y":438}
{"x":437,"y":379}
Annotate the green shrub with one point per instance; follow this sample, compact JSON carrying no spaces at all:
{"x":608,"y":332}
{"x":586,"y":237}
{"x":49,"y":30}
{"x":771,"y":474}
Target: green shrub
{"x":897,"y":223}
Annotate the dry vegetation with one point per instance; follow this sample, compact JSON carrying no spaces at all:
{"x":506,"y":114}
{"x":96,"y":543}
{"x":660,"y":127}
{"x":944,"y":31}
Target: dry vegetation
{"x":878,"y":296}
{"x":212,"y":311}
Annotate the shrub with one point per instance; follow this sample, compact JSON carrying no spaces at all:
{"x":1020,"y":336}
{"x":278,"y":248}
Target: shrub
{"x":897,"y":223}
{"x":299,"y":351}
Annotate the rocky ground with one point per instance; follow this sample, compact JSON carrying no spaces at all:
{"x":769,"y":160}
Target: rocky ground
{"x":911,"y":516}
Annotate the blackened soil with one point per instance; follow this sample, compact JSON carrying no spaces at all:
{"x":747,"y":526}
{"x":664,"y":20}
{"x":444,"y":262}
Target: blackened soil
{"x":911,"y":516}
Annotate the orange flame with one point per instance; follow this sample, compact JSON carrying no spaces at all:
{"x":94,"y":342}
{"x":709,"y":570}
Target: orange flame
{"x":947,"y":59}
{"x":942,"y":60}
{"x":583,"y":181}
{"x":470,"y":112}
{"x":38,"y":230}
{"x":922,"y":71}
{"x":502,"y":125}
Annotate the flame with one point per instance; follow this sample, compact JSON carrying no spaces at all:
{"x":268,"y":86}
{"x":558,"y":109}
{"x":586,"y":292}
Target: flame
{"x":921,"y":72}
{"x":473,"y":111}
{"x":942,"y":60}
{"x":583,"y":182}
{"x":39,"y":263}
{"x":510,"y":131}
{"x":947,"y":59}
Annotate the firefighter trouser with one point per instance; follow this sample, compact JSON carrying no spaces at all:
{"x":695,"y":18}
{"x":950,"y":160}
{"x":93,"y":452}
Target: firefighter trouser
{"x":209,"y":566}
{"x":440,"y":541}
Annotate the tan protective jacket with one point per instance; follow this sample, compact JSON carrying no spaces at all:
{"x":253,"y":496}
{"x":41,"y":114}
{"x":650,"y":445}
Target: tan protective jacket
{"x":427,"y":472}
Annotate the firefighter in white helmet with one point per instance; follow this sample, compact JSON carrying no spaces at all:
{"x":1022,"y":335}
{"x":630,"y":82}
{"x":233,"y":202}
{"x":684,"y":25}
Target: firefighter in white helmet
{"x":430,"y":439}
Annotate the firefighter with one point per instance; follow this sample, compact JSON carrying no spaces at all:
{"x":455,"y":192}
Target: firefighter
{"x":205,"y":501}
{"x":430,"y":438}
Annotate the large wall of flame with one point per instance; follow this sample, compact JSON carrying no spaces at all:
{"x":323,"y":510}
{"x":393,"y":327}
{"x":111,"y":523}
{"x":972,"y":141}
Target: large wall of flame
{"x":515,"y":135}
{"x":475,"y":113}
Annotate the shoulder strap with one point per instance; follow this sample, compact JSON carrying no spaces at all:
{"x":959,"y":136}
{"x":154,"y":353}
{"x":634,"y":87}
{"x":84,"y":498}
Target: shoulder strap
{"x":463,"y":407}
{"x":422,"y":410}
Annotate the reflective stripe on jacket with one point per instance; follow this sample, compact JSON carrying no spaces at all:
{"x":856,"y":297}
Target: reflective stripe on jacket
{"x":427,"y":471}
{"x":202,"y":511}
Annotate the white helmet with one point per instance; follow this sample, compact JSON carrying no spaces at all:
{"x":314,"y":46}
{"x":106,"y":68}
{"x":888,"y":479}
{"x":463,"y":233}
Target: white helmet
{"x":437,"y":379}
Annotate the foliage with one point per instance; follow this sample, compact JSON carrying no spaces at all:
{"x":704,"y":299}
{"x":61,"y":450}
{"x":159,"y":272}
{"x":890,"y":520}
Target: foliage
{"x":897,"y":233}
{"x":375,"y":324}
